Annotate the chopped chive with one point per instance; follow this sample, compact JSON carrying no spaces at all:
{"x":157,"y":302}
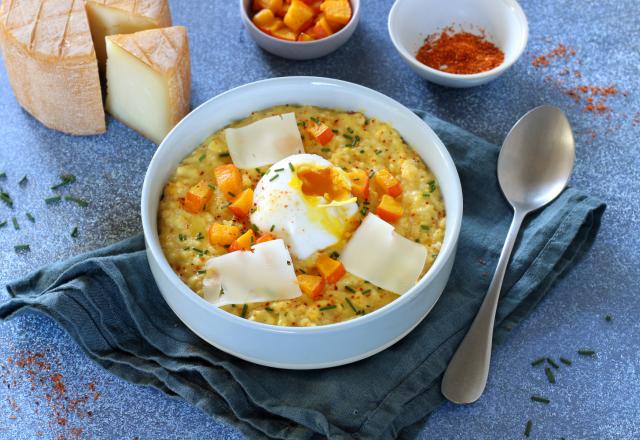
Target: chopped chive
{"x":537,"y":362}
{"x":199,"y":236}
{"x":77,"y":200}
{"x":347,"y":136}
{"x":325,"y":150}
{"x":335,"y":131}
{"x":3,"y":224}
{"x":272,"y":228}
{"x":65,"y":179}
{"x":279,"y":170}
{"x":322,"y":309}
{"x":268,"y":309}
{"x":608,"y":318}
{"x":364,"y":211}
{"x":74,"y":232}
{"x":302,"y":124}
{"x":202,"y":271}
{"x":366,"y":121}
{"x":16,"y":225}
{"x":200,"y":252}
{"x":335,"y":255}
{"x":211,"y":185}
{"x":366,"y":292}
{"x":351,"y":305}
{"x":553,"y":363}
{"x":291,"y":167}
{"x":223,"y":155}
{"x":432,"y":186}
{"x":350,"y":130}
{"x":274,"y":177}
{"x":426,"y":194}
{"x":314,"y":119}
{"x":24,"y":180}
{"x":31,"y":218}
{"x":54,"y":199}
{"x":203,"y":157}
{"x":302,"y":270}
{"x":586,"y":352}
{"x":231,"y":194}
{"x":244,"y":311}
{"x":186,"y":248}
{"x":550,"y":376}
{"x":540,"y":399}
{"x":424,"y":227}
{"x":22,"y":248}
{"x":182,"y":237}
{"x":372,"y":173}
{"x":6,"y":198}
{"x":378,"y":152}
{"x":350,"y":289}
{"x":565,"y":361}
{"x":527,"y":428}
{"x":255,"y":228}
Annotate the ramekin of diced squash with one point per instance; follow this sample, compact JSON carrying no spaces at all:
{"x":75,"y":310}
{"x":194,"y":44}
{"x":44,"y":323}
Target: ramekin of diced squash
{"x":300,"y":29}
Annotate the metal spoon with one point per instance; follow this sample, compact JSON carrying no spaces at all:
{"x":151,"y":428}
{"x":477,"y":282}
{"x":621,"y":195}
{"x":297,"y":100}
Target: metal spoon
{"x":535,"y":163}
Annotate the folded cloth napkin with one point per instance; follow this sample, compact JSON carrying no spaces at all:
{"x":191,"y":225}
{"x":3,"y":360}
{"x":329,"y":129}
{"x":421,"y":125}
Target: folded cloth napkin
{"x":108,"y":302}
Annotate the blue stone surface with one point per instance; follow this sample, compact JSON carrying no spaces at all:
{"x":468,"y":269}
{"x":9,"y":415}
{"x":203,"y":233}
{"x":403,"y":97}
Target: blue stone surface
{"x":595,"y":397}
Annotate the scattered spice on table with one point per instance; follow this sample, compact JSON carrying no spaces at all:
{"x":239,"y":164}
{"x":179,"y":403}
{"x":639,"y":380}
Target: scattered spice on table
{"x":459,"y":52}
{"x":35,"y":375}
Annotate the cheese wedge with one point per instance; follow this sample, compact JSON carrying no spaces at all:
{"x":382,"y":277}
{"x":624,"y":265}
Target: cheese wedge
{"x":264,"y":142}
{"x":112,"y":17}
{"x":149,"y":80}
{"x":263,"y":274}
{"x":383,"y":257}
{"x":51,"y":64}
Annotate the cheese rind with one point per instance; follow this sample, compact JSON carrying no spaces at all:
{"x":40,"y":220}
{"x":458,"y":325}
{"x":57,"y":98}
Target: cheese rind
{"x":51,"y":64}
{"x":112,"y":17}
{"x":264,"y":142}
{"x":383,"y":257}
{"x":263,"y":274}
{"x":149,"y":79}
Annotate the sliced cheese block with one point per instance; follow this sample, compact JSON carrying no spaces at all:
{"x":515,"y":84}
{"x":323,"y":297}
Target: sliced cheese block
{"x":149,"y":79}
{"x":383,"y":257}
{"x":51,"y":63}
{"x":111,"y":17}
{"x":264,"y":142}
{"x":263,"y":274}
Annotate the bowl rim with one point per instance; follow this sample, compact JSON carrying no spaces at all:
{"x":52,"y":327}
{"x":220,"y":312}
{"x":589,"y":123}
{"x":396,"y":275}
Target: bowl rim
{"x":352,"y":22}
{"x":447,"y":251}
{"x":524,"y":34}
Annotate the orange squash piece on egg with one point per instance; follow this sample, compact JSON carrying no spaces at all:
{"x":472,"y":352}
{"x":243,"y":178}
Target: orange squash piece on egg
{"x":242,"y":204}
{"x":197,"y":197}
{"x":359,"y":183}
{"x":389,"y":209}
{"x":229,"y":180}
{"x":330,"y":269}
{"x":387,"y":183}
{"x":223,"y":235}
{"x":311,"y":285}
{"x":244,"y":242}
{"x":319,"y":130}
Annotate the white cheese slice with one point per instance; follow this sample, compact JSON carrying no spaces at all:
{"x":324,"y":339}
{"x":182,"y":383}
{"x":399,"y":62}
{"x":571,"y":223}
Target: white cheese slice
{"x":264,"y":142}
{"x":264,"y":274}
{"x":383,"y":257}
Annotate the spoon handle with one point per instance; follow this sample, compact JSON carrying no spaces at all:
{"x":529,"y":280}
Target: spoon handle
{"x":466,"y":376}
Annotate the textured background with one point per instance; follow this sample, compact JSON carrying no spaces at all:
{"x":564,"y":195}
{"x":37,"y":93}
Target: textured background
{"x":594,"y":398}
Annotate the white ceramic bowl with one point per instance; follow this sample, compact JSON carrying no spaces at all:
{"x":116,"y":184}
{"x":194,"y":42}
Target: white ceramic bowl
{"x":295,"y":347}
{"x":504,"y":22}
{"x":300,"y":50}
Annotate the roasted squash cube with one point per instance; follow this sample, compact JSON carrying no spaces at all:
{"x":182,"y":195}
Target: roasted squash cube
{"x":299,"y":15}
{"x":311,"y":285}
{"x":284,"y":33}
{"x":389,"y":209}
{"x":244,"y":242}
{"x":197,"y":197}
{"x":337,"y":11}
{"x":274,"y":5}
{"x":223,"y":235}
{"x":229,"y":180}
{"x":359,"y":183}
{"x":320,"y":131}
{"x":387,"y":183}
{"x":332,"y":270}
{"x":242,"y":204}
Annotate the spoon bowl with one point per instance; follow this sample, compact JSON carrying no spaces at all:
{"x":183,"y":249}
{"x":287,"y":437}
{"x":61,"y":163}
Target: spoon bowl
{"x":534,"y":166}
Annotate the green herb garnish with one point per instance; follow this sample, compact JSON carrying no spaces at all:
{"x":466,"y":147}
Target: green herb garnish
{"x":291,"y":167}
{"x":74,"y":232}
{"x":322,"y":309}
{"x":274,"y":177}
{"x":334,"y":255}
{"x":24,"y":180}
{"x":550,"y":376}
{"x":65,"y":179}
{"x":351,"y":305}
{"x":432,"y":186}
{"x":527,"y":428}
{"x":268,"y":309}
{"x":31,"y":218}
{"x":22,"y":248}
{"x":202,"y":271}
{"x":424,"y":227}
{"x":347,"y":136}
{"x":426,"y":194}
{"x":182,"y":237}
{"x":334,"y":131}
{"x":314,"y":119}
{"x":350,"y":130}
{"x":302,"y":124}
{"x":272,"y":228}
{"x":366,"y":292}
{"x":350,"y":289}
{"x":279,"y":170}
{"x":244,"y":311}
{"x":199,"y":236}
{"x":6,"y":198}
{"x":325,"y":149}
{"x":537,"y":362}
{"x":540,"y":399}
{"x":586,"y":352}
{"x":200,"y":252}
{"x":231,"y":194}
{"x":203,"y":157}
{"x":16,"y":225}
{"x":54,"y":199}
{"x":565,"y":361}
{"x":255,"y":228}
{"x":224,"y":155}
{"x":77,"y":200}
{"x":552,"y":363}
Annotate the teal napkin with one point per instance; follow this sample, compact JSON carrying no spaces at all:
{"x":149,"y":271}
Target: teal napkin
{"x":108,"y":302}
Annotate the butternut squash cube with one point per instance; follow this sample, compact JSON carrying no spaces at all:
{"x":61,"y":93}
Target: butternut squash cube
{"x":242,"y":205}
{"x":229,"y":180}
{"x":387,"y":183}
{"x":223,"y":235}
{"x":298,"y":16}
{"x":244,"y":242}
{"x":337,"y":11}
{"x":389,"y":209}
{"x":197,"y":197}
{"x":311,"y":285}
{"x":274,"y":5}
{"x":359,"y":183}
{"x":332,"y":270}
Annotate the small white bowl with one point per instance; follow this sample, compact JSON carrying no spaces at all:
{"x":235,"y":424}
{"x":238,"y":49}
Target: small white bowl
{"x":503,"y":21}
{"x":300,"y":347}
{"x":300,"y":50}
